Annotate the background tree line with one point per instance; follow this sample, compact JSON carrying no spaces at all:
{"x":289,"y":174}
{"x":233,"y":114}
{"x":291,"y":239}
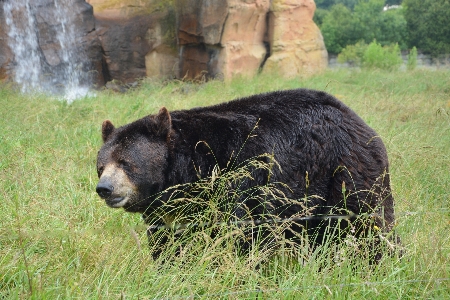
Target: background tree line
{"x":416,"y":23}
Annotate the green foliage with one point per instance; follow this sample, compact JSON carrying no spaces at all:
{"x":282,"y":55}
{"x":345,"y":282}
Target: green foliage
{"x":353,"y":54}
{"x":339,"y":28}
{"x":328,"y":3}
{"x":427,"y":23}
{"x":369,"y":17}
{"x":349,"y":3}
{"x":393,"y":2}
{"x":412,"y":59}
{"x":372,"y":56}
{"x":58,"y":240}
{"x":393,"y":28}
{"x":379,"y":57}
{"x":319,"y":16}
{"x":342,"y":26}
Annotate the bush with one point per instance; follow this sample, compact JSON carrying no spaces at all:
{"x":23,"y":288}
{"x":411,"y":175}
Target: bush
{"x":379,"y":57}
{"x":412,"y":59}
{"x":372,"y":56}
{"x":353,"y":54}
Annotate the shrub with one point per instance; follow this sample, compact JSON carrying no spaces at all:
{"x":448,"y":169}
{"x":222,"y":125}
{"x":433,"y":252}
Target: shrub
{"x":372,"y":56}
{"x":378,"y":57}
{"x":412,"y":59}
{"x":353,"y":54}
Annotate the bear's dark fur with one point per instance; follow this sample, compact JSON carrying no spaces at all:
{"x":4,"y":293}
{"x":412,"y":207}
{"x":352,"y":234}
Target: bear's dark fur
{"x":322,"y":146}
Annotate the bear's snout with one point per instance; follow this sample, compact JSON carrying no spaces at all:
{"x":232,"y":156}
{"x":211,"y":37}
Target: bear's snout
{"x":104,"y":189}
{"x":115,"y":187}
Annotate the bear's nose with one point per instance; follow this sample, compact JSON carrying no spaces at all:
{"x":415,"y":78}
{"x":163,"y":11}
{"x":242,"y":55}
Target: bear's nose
{"x":104,"y":190}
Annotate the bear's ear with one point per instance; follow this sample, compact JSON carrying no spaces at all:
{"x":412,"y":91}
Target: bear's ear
{"x":163,"y":122}
{"x":107,"y":130}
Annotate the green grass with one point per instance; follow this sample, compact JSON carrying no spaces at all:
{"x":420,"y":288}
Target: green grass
{"x":59,"y":240}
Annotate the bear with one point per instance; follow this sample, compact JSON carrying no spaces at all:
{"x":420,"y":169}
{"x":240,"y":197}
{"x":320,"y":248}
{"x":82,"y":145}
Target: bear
{"x":325,"y":152}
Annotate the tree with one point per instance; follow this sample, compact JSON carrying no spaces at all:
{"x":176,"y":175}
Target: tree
{"x":324,"y":3}
{"x":329,"y":3}
{"x":338,"y":28}
{"x":341,"y":26}
{"x":393,"y":28}
{"x":427,"y":24}
{"x":369,"y":15}
{"x":393,"y":2}
{"x":319,"y":16}
{"x":349,"y":3}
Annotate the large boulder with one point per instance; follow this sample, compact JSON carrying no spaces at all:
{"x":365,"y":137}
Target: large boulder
{"x":138,"y":38}
{"x":6,"y":56}
{"x":83,"y":46}
{"x":296,"y":44}
{"x":244,"y":48}
{"x":241,"y":37}
{"x":208,"y":38}
{"x":201,"y":21}
{"x":224,"y":38}
{"x":86,"y":47}
{"x":132,"y":39}
{"x":200,"y":26}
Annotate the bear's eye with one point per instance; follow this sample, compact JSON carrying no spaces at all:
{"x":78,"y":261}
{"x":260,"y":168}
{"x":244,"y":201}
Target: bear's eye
{"x":100,"y":171}
{"x":123,"y":163}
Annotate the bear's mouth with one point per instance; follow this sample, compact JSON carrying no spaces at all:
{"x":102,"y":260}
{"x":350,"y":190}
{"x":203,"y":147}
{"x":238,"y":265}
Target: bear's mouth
{"x":116,"y":202}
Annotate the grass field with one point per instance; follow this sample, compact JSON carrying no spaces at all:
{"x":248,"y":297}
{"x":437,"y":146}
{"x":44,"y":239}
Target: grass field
{"x":58,"y":240}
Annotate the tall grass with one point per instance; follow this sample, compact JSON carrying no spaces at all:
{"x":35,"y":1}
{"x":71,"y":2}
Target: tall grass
{"x":59,"y":240}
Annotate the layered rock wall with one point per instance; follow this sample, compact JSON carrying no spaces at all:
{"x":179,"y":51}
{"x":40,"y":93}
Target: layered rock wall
{"x":138,"y":38}
{"x":195,"y":38}
{"x":6,"y":56}
{"x":243,"y":37}
{"x":244,"y":48}
{"x":47,"y":28}
{"x":296,"y":44}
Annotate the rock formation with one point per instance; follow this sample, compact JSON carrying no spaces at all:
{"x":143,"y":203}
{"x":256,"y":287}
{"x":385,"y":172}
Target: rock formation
{"x":47,"y":28}
{"x":241,"y":37}
{"x":244,"y":38}
{"x":225,"y":39}
{"x":209,"y":38}
{"x":138,"y":38}
{"x":6,"y":56}
{"x":296,"y":44}
{"x":196,"y":38}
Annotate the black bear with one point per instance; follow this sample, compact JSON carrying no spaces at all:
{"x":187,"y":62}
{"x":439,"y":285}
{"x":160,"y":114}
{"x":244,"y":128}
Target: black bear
{"x":322,"y":147}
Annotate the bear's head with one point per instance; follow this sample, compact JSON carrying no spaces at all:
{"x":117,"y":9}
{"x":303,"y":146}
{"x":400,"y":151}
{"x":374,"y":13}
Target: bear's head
{"x":133,"y":161}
